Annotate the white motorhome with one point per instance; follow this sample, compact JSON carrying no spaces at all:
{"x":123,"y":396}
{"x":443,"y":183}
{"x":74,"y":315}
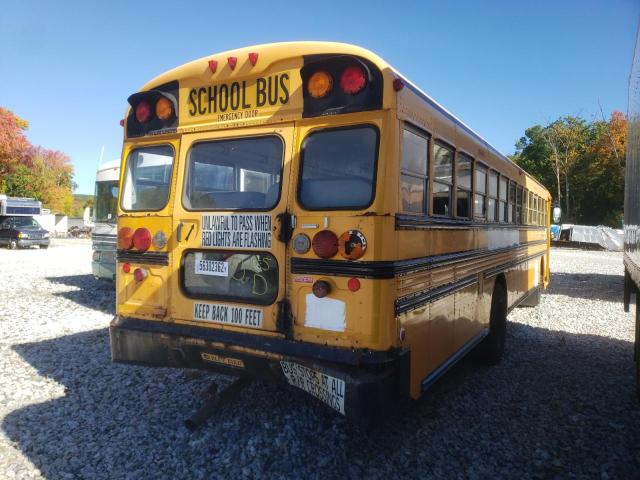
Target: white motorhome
{"x":104,"y":236}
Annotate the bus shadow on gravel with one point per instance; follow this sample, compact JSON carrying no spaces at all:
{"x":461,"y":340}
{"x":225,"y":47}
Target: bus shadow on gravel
{"x":91,"y":292}
{"x":591,"y":286}
{"x":545,"y":411}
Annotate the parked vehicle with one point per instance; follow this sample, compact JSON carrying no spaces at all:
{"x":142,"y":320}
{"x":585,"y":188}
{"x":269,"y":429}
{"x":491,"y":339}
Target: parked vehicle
{"x":18,"y":228}
{"x":105,"y":215}
{"x":20,"y":232}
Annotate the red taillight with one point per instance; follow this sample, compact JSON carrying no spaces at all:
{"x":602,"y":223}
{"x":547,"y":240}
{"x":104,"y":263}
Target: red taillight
{"x":321,"y":288}
{"x":398,"y":84}
{"x":325,"y":244}
{"x":353,"y":79}
{"x":143,"y":112}
{"x":139,"y":274}
{"x":142,"y":239}
{"x":353,"y":284}
{"x":126,"y":268}
{"x":125,"y":238}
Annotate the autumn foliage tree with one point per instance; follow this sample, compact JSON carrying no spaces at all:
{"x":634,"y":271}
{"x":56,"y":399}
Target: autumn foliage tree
{"x":581,"y":163}
{"x":31,"y":171}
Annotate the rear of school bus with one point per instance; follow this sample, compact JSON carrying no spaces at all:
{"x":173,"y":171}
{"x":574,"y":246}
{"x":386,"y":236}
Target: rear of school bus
{"x":254,"y":222}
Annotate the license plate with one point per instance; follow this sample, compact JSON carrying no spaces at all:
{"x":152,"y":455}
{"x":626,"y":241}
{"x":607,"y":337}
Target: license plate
{"x":214,"y":268}
{"x":324,"y":387}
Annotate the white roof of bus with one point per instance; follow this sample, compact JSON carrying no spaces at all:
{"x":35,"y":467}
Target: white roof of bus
{"x":108,"y":171}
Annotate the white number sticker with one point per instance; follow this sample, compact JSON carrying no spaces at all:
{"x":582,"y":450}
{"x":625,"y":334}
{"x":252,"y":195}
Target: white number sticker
{"x":211,"y":267}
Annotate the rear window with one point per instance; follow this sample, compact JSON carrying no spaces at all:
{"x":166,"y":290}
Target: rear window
{"x":147,"y":178}
{"x":339,"y":168}
{"x":234,"y":174}
{"x":237,"y":277}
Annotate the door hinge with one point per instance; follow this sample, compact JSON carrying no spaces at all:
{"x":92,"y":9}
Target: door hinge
{"x":287,"y":224}
{"x":284,"y":322}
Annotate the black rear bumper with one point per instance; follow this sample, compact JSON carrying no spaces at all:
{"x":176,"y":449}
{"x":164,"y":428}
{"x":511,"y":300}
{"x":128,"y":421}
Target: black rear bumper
{"x":373,"y":380}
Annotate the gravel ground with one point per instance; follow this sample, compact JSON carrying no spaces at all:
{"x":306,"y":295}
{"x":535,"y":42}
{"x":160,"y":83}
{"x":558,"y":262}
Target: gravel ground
{"x":561,"y":404}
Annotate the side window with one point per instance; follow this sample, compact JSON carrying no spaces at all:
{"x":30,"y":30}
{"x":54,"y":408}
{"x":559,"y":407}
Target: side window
{"x":511,"y":210}
{"x":492,"y":197}
{"x":518,"y":204}
{"x":413,"y":172}
{"x":480,"y":194}
{"x":502,"y":207}
{"x":442,"y":179}
{"x":464,"y":169}
{"x":530,"y":209}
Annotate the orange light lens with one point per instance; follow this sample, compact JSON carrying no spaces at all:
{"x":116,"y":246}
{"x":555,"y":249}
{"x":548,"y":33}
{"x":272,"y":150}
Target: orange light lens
{"x":164,"y":109}
{"x":320,"y":84}
{"x":352,"y":244}
{"x":125,"y":238}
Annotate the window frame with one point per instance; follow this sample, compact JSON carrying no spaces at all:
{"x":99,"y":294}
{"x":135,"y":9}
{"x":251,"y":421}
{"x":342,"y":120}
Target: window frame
{"x":495,"y":199}
{"x":443,"y":144}
{"x":374,"y":180}
{"x":125,"y":167}
{"x":480,"y":166}
{"x":457,"y":187}
{"x":222,"y":139}
{"x":427,"y":177}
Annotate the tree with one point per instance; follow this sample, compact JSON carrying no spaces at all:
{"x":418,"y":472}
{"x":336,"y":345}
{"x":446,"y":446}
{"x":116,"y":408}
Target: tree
{"x":582,"y":163}
{"x":31,"y":171}
{"x":14,"y":146}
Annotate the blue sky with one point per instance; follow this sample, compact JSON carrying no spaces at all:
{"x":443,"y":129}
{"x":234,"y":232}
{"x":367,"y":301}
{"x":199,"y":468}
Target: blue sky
{"x":68,"y":67}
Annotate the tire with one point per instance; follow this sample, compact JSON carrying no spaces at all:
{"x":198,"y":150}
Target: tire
{"x":491,"y":349}
{"x":44,"y":246}
{"x":13,"y":244}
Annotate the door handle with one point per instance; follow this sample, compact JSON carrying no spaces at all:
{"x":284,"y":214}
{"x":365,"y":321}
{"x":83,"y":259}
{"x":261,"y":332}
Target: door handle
{"x":179,"y":232}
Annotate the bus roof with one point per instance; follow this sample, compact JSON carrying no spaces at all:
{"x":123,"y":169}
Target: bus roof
{"x":274,"y":52}
{"x":108,"y":171}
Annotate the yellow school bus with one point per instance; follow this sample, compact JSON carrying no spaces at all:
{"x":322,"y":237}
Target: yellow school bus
{"x":301,"y":212}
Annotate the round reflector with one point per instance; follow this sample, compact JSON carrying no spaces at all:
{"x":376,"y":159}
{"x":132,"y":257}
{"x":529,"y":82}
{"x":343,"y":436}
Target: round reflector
{"x":164,"y":109}
{"x":125,"y":238}
{"x":160,"y":239}
{"x":353,"y":79}
{"x":143,"y":112}
{"x":320,"y":84}
{"x":321,"y":288}
{"x":353,"y":284}
{"x":142,"y":239}
{"x":325,"y":244}
{"x":126,"y":268}
{"x":352,"y":244}
{"x":301,"y":243}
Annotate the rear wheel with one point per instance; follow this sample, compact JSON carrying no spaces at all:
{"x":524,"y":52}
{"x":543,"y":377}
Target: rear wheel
{"x":44,"y":246}
{"x":13,"y":244}
{"x":490,"y":350}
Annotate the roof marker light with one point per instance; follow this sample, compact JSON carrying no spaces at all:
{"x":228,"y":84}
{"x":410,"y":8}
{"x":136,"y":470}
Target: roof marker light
{"x":232,"y":62}
{"x":398,"y":84}
{"x":253,"y":58}
{"x":122,"y":122}
{"x":213,"y":65}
